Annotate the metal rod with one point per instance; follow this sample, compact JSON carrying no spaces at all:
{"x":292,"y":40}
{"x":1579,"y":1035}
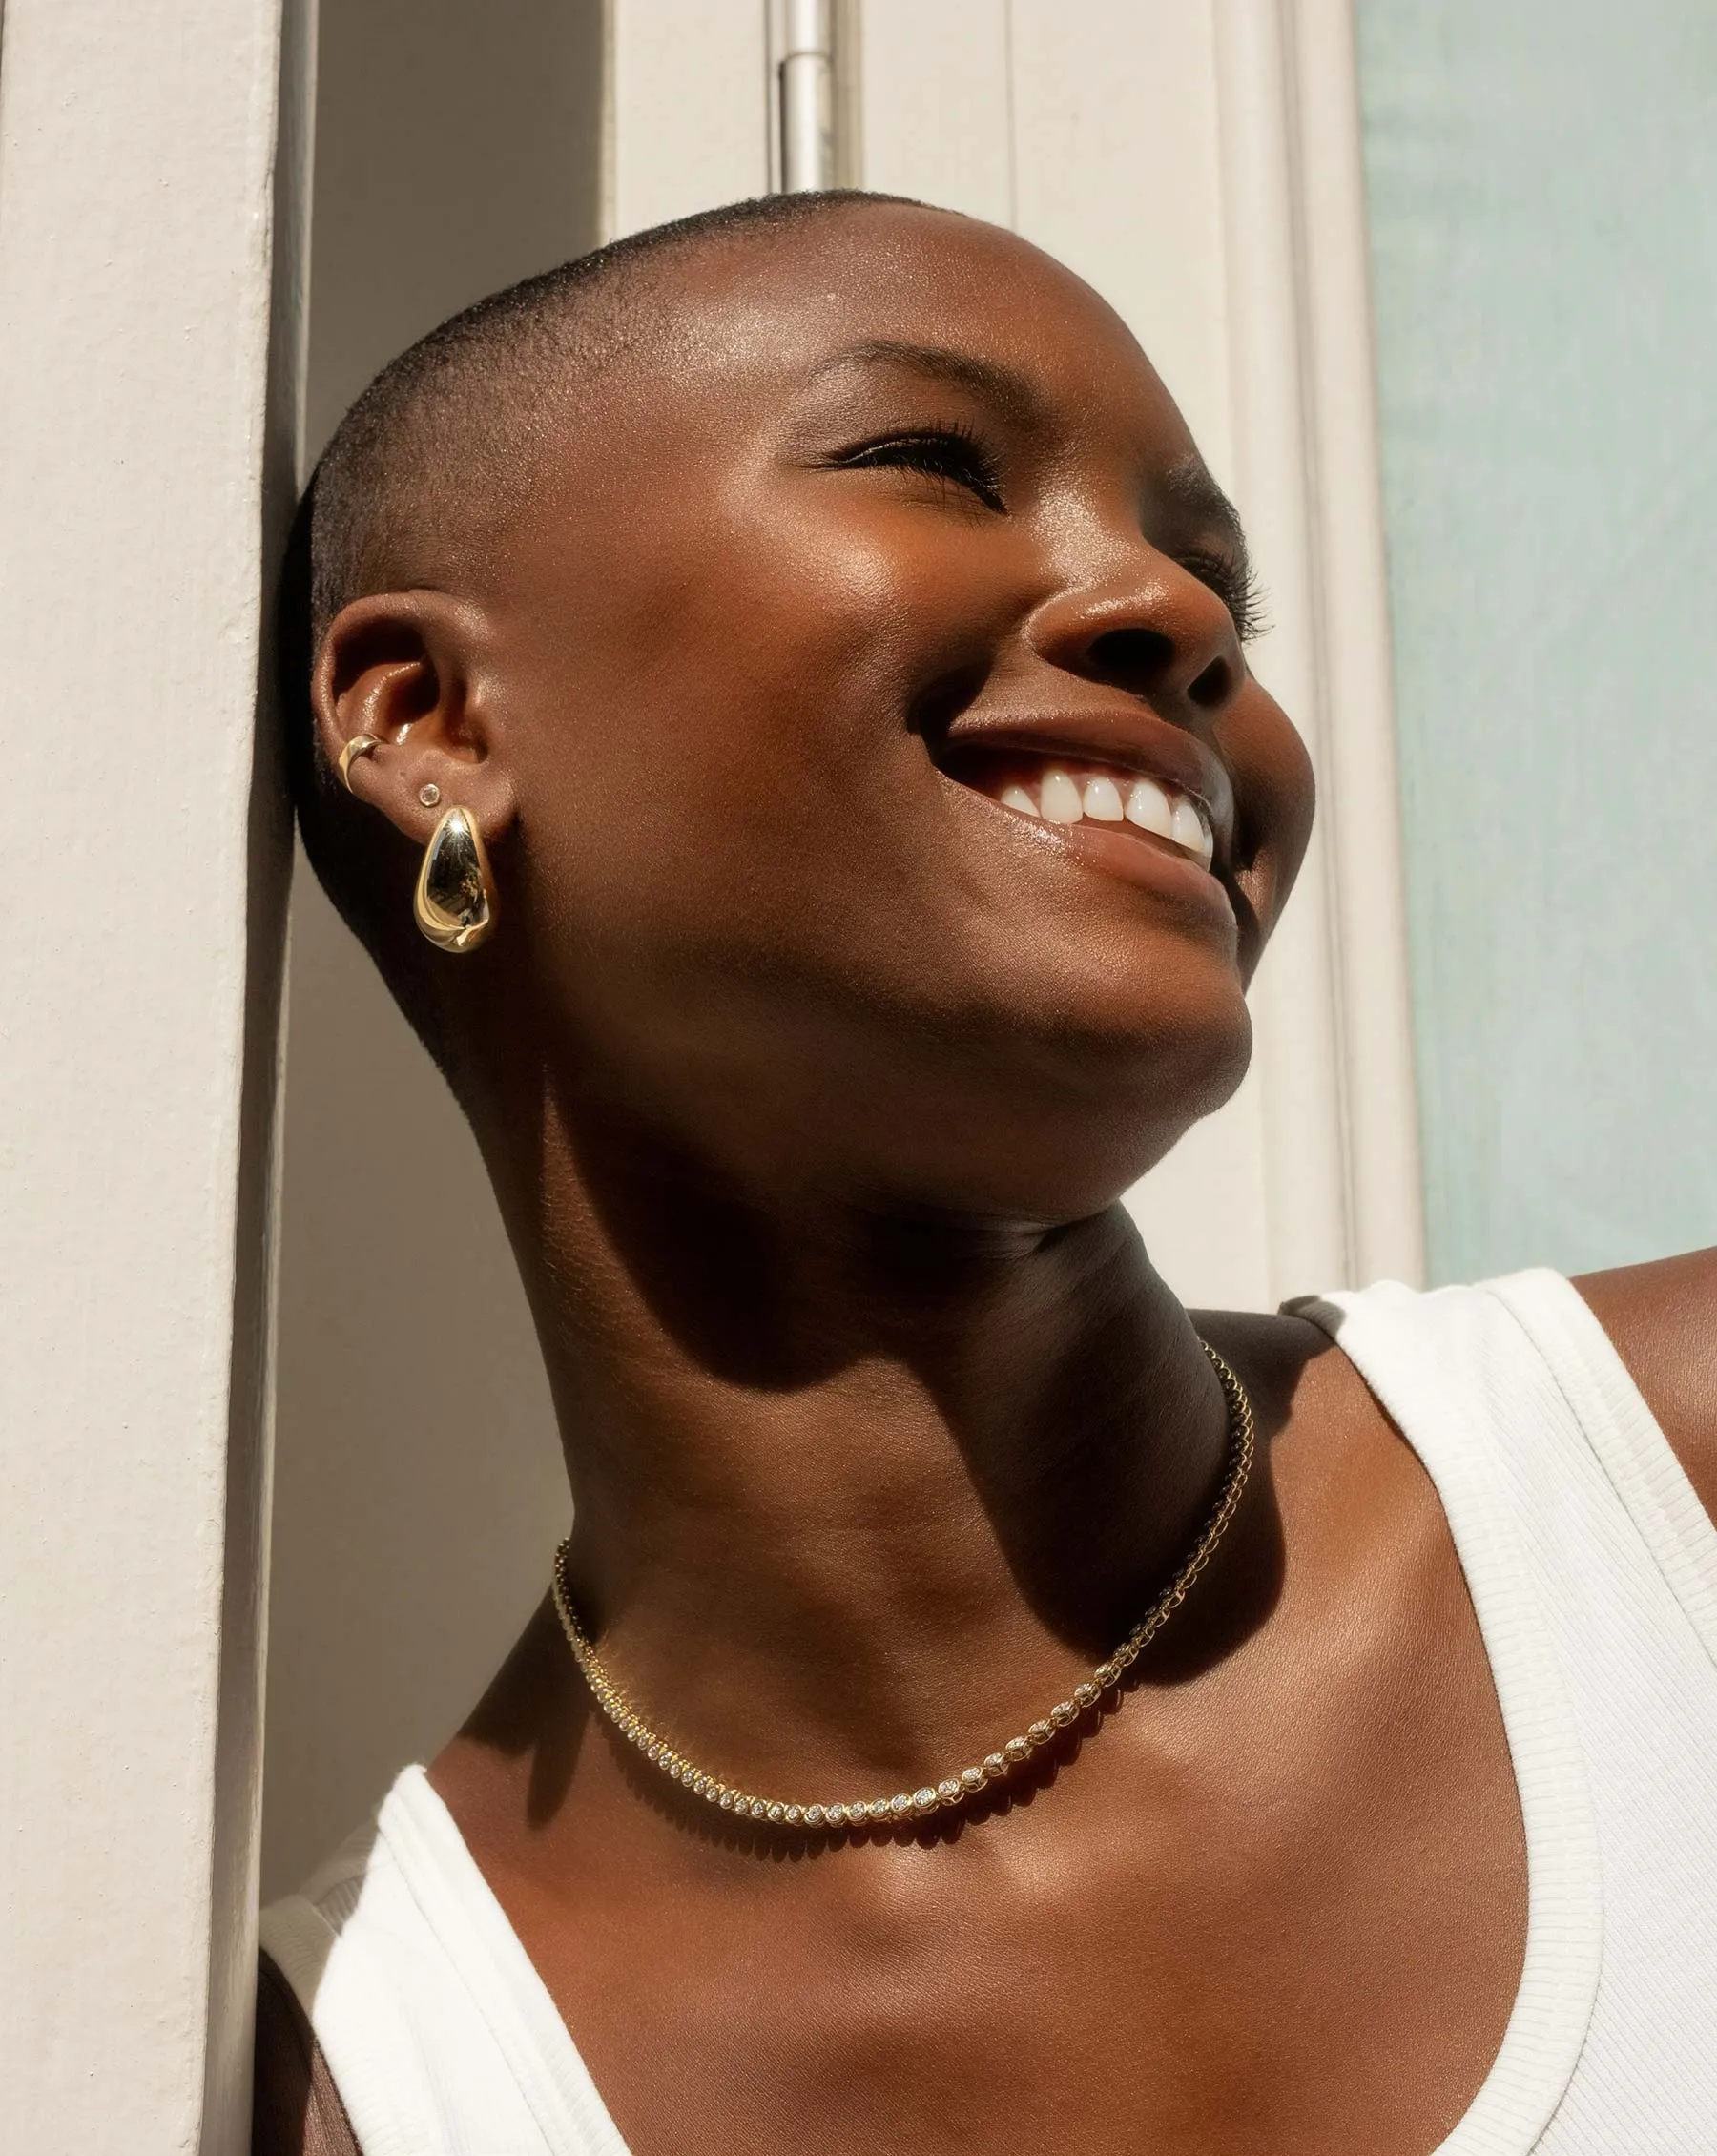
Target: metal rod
{"x":807,"y":91}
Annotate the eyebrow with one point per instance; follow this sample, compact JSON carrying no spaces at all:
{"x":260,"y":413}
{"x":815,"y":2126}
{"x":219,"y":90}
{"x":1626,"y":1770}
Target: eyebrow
{"x":1187,"y":484}
{"x":1013,"y":394}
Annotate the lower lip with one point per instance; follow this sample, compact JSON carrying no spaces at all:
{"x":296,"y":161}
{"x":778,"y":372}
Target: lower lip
{"x":1150,"y":863}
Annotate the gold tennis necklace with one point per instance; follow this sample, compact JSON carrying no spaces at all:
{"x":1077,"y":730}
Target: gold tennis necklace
{"x":956,"y":1789}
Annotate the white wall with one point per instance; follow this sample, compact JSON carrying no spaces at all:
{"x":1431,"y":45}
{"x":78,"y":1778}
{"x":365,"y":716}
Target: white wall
{"x":147,"y":437}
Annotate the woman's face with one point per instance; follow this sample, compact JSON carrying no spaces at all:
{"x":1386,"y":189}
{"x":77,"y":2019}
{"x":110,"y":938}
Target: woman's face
{"x":890,"y":539}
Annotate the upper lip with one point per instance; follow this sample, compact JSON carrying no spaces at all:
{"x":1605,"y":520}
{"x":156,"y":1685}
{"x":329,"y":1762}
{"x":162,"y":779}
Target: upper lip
{"x":1127,"y":735}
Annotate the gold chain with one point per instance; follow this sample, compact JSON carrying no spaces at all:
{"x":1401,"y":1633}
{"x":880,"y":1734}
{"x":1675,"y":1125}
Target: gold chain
{"x":958,"y":1788}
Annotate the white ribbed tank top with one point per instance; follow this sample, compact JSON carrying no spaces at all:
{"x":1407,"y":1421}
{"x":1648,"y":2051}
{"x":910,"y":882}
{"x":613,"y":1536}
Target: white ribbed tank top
{"x":1593,"y":1569}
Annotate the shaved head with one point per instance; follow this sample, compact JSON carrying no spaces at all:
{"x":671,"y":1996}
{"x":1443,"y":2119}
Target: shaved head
{"x":441,"y":440}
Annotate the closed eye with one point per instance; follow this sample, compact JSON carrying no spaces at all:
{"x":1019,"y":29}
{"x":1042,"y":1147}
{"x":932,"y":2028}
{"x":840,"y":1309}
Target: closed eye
{"x":1235,"y":583}
{"x":948,"y":454}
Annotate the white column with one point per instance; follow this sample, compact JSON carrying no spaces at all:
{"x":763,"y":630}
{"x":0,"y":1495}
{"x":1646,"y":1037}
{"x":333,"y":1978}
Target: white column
{"x":1119,"y":173}
{"x":1296,"y":1011}
{"x":146,"y":441}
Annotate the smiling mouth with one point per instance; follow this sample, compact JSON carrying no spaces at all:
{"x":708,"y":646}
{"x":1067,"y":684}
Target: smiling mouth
{"x":1069,"y":791}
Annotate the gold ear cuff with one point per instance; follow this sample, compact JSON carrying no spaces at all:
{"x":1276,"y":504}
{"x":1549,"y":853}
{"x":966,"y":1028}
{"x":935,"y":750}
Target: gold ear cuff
{"x":360,"y":745}
{"x":454,"y":902}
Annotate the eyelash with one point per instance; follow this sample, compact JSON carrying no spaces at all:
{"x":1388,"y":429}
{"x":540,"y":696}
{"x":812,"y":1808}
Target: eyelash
{"x":953,"y":453}
{"x":1235,"y":583}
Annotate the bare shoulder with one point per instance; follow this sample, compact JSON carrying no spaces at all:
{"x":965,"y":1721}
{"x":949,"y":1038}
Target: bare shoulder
{"x":295,"y":2107}
{"x":1294,"y":1372}
{"x":1663,"y":1319}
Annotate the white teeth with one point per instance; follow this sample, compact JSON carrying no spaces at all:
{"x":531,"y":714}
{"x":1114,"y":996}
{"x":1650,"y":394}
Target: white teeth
{"x":1149,"y":808}
{"x":1062,"y":799}
{"x":1103,"y":801}
{"x":1191,"y":831}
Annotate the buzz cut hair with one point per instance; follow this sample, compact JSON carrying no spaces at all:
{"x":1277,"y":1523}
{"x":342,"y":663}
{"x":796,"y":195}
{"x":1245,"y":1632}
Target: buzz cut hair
{"x":447,"y":425}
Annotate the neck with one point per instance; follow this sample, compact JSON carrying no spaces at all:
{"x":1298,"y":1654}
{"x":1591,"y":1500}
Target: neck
{"x":851,"y":1490}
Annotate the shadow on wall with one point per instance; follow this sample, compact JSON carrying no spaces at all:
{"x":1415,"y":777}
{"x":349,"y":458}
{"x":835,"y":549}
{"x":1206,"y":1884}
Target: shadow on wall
{"x":418,"y":1486}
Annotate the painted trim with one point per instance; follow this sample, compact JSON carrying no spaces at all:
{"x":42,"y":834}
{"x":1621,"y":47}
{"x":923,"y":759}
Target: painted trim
{"x":1386,"y":1211}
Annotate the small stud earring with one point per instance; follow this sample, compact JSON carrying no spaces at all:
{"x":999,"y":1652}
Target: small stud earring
{"x":429,"y":795}
{"x":454,"y":902}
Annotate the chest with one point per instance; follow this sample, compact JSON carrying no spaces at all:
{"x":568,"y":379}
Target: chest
{"x":1305,"y":1935}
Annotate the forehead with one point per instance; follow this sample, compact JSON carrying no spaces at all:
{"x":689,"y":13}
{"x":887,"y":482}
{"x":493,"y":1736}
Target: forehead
{"x":773,"y":311}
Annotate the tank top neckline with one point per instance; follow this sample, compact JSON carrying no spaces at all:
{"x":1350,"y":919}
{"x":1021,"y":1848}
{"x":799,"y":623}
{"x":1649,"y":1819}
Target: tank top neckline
{"x":1546,"y":2026}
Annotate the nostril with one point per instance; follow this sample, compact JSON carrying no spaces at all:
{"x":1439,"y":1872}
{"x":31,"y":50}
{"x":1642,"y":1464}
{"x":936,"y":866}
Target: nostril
{"x":1131,"y":659}
{"x":1212,"y":686}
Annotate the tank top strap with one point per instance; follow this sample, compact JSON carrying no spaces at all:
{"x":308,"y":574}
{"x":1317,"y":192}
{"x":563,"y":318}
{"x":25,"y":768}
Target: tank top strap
{"x":1624,"y":1438}
{"x":351,"y":1999}
{"x":440,"y":2035}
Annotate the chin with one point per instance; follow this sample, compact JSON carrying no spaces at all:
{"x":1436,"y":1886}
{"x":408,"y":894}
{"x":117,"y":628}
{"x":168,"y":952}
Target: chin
{"x":1036,"y":1090}
{"x":1052,"y":1123}
{"x":1158,"y":1030}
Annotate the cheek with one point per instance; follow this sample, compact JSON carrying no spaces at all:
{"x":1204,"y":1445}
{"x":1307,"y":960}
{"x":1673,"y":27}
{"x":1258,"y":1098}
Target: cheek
{"x":702,"y":759}
{"x":1275,"y":795}
{"x":738,"y":710}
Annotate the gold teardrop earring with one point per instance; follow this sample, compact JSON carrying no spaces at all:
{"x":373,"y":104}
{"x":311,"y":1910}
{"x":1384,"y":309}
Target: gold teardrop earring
{"x":454,"y":902}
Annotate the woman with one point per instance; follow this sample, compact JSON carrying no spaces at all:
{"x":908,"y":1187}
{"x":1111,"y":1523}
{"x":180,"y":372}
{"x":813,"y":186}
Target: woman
{"x":799,"y":656}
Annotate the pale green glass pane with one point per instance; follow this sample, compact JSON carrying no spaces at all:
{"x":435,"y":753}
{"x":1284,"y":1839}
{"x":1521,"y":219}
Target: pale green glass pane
{"x":1542,"y":183}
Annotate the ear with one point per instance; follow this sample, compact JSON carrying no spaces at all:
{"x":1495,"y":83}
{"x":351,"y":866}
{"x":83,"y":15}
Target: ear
{"x":410,"y":670}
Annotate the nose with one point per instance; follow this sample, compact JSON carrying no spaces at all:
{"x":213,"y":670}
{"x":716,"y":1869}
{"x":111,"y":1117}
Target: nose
{"x":1156,"y":633}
